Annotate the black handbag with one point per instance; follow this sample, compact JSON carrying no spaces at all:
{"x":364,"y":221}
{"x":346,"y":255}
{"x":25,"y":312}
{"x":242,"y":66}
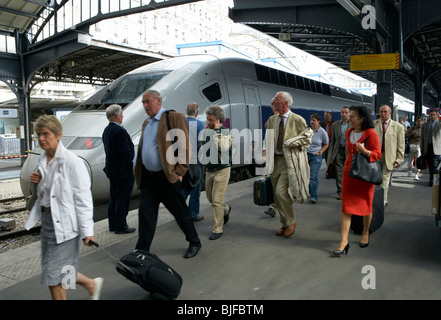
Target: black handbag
{"x":421,"y":162}
{"x":362,"y":169}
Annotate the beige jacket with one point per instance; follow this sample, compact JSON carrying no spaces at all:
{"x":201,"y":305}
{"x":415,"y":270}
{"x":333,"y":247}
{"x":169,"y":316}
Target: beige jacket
{"x":296,"y":134}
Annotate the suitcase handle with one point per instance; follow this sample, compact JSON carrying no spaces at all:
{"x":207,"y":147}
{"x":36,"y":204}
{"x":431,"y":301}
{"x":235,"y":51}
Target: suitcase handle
{"x":93,"y":243}
{"x":108,"y":254}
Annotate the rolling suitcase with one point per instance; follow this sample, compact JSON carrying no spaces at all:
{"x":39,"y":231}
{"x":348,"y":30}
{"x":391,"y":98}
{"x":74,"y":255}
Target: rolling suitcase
{"x":377,"y":214}
{"x":149,"y":272}
{"x":263,"y":191}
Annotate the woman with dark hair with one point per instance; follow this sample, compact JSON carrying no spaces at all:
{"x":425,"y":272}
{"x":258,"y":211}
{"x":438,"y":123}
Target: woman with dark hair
{"x":357,"y":195}
{"x":319,"y":143}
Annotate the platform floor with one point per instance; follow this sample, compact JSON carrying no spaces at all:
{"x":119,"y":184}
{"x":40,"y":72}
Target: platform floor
{"x":249,"y":262}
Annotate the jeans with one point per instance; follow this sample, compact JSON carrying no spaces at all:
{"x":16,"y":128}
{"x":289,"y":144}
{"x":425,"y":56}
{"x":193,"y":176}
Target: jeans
{"x":195,"y":194}
{"x":315,"y":162}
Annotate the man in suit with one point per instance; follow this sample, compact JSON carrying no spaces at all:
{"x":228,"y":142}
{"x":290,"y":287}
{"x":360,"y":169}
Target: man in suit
{"x":391,"y":135}
{"x":196,"y":127}
{"x":159,"y":175}
{"x":337,"y":147}
{"x":286,"y":124}
{"x":430,"y":143}
{"x":119,"y":169}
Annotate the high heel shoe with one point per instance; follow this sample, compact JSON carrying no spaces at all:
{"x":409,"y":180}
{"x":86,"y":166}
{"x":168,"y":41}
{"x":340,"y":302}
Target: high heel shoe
{"x":364,"y":245}
{"x":340,"y":252}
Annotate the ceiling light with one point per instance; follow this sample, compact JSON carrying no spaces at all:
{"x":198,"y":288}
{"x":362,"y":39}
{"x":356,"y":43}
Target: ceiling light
{"x":350,"y":7}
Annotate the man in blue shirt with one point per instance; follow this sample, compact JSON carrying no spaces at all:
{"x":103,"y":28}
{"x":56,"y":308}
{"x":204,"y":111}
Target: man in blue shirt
{"x":158,"y":178}
{"x":195,"y":126}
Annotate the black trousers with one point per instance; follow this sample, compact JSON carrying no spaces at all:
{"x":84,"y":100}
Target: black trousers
{"x":119,"y":203}
{"x":432,"y":161}
{"x":155,"y":188}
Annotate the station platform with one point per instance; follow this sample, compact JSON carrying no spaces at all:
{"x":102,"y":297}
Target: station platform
{"x":249,"y":262}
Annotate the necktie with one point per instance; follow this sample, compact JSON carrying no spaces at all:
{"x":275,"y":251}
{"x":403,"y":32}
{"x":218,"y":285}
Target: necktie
{"x":280,"y":134}
{"x":384,"y":131}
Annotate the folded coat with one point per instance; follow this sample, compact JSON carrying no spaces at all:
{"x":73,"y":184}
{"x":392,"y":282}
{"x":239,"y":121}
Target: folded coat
{"x":297,"y":164}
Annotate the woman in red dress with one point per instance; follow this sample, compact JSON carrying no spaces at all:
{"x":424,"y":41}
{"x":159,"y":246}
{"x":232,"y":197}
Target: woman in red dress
{"x":357,"y":195}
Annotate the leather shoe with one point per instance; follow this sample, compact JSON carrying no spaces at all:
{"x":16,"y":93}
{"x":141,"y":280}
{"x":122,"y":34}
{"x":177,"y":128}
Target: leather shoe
{"x":227,"y":216}
{"x":126,"y":230}
{"x":281,"y":231}
{"x":215,"y":236}
{"x":198,"y":218}
{"x":192,"y":250}
{"x":290,"y":230}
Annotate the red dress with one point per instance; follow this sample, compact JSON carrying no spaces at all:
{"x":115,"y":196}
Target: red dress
{"x":357,"y":195}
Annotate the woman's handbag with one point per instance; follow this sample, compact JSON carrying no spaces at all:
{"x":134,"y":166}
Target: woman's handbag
{"x":421,"y":162}
{"x":362,"y":169}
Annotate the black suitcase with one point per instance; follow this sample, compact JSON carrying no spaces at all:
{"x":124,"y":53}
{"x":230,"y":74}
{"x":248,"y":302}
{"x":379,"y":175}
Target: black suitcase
{"x":377,"y":214}
{"x":149,"y":272}
{"x":263,"y":191}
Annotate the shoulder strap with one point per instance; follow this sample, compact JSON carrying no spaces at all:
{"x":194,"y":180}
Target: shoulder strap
{"x":166,"y":118}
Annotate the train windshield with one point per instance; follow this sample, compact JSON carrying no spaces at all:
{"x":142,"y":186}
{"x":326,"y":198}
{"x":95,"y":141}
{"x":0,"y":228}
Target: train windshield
{"x":131,"y":87}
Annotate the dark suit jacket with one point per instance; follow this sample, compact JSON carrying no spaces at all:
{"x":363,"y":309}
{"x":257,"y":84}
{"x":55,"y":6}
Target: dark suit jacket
{"x":424,"y":142}
{"x":334,"y":143}
{"x":119,"y":152}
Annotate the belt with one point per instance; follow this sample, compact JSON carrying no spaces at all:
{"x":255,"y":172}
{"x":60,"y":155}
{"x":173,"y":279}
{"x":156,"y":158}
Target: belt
{"x":45,"y":209}
{"x":278,"y":155}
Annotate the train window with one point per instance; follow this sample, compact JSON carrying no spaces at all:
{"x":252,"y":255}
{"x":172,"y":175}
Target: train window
{"x":291,"y":80}
{"x":262,"y":73}
{"x":300,"y":82}
{"x":212,"y":92}
{"x":274,"y":76}
{"x":85,"y":143}
{"x":282,"y":78}
{"x":131,"y":87}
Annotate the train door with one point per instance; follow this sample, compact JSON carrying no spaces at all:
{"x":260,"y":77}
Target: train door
{"x":252,"y":102}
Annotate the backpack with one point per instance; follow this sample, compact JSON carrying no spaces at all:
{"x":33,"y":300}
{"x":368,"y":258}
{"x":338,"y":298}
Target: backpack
{"x":193,"y":175}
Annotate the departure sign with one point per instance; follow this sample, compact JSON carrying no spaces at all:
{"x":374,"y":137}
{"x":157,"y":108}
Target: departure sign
{"x":375,"y":61}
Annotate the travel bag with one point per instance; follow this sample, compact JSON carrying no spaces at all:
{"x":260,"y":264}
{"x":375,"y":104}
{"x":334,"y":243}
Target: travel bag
{"x":149,"y":272}
{"x":263,"y":191}
{"x":377,"y":214}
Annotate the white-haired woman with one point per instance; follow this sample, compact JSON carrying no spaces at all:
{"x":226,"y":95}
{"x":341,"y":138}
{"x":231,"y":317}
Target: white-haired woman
{"x":64,"y":205}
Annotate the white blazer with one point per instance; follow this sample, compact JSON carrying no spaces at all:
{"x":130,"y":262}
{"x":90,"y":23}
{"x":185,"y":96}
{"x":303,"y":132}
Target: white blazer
{"x":70,"y":197}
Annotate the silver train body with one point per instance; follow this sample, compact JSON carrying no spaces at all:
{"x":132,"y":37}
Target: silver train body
{"x":244,"y":89}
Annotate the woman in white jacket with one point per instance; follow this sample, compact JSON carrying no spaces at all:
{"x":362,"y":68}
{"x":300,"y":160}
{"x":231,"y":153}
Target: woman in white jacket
{"x":64,"y":205}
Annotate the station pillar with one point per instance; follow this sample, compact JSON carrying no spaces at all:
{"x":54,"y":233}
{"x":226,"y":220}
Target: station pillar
{"x":418,"y":85}
{"x":385,"y":93}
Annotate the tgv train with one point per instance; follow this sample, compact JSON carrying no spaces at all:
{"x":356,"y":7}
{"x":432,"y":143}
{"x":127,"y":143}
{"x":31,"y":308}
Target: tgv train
{"x":243,"y":88}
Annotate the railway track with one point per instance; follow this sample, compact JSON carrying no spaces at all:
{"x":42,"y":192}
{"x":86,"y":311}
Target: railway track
{"x":15,"y":208}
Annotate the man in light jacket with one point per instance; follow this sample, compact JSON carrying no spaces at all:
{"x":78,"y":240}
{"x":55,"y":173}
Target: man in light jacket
{"x":286,"y":125}
{"x":391,"y":134}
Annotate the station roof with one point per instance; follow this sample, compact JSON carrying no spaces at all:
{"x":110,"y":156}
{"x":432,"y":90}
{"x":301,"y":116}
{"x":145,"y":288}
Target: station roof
{"x":98,"y":63}
{"x":326,"y":29}
{"x":19,"y":14}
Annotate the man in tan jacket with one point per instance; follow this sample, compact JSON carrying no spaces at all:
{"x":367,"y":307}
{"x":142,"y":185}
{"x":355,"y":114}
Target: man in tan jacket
{"x":391,"y":135}
{"x":159,"y":173}
{"x":286,"y":125}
